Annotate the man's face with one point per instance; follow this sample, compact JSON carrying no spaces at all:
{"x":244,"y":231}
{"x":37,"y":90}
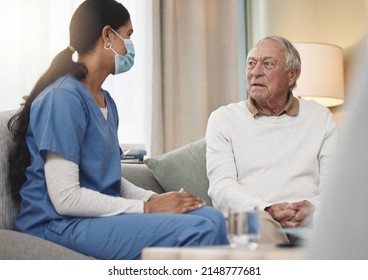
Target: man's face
{"x":266,"y":76}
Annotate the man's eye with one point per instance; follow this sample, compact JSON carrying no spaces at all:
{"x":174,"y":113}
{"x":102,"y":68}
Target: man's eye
{"x":268,"y":64}
{"x":251,"y":63}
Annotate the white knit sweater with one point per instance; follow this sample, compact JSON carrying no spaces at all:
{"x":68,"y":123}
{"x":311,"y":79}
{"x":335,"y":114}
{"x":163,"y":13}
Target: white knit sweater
{"x":259,"y":161}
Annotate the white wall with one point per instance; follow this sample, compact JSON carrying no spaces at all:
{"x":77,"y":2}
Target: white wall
{"x":339,"y":22}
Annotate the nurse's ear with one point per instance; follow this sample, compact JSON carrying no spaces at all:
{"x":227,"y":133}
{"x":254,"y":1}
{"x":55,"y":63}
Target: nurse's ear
{"x":106,"y":36}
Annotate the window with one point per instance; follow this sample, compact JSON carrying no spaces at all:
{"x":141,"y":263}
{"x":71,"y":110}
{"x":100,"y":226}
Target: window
{"x":35,"y":31}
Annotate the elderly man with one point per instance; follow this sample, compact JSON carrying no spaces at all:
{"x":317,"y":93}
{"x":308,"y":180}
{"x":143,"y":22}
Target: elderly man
{"x":271,"y":151}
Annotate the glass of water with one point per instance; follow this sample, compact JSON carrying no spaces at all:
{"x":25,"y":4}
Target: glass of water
{"x":243,"y":228}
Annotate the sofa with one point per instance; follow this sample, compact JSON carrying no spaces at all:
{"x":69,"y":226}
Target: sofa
{"x":180,"y":168}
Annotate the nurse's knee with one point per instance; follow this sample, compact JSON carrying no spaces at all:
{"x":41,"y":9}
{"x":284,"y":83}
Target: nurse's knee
{"x":201,"y":232}
{"x":212,"y":214}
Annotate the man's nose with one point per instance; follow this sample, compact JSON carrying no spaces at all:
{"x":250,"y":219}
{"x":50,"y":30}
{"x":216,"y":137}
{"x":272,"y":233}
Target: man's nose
{"x":258,"y":69}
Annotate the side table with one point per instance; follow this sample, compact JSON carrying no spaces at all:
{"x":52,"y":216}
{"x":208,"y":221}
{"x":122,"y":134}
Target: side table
{"x":262,"y":252}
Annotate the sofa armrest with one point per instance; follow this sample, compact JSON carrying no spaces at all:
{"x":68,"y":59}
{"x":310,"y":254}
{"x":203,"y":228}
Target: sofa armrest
{"x":141,"y":176}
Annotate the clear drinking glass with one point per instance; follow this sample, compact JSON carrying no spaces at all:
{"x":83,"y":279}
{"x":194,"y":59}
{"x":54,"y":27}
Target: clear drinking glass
{"x":243,"y":228}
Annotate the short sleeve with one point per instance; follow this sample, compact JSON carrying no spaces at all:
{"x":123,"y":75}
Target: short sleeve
{"x":58,"y":122}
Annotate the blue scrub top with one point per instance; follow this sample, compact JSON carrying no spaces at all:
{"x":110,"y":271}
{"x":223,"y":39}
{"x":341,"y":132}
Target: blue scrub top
{"x":66,"y":119}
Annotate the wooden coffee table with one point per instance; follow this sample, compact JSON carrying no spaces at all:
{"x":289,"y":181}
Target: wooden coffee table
{"x":262,"y":252}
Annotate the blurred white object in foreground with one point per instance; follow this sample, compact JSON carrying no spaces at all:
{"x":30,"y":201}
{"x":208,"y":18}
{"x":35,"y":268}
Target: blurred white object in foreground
{"x":341,"y":230}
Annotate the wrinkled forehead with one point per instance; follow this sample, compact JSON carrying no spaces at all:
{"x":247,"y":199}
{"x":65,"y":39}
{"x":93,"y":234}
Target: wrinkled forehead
{"x":267,"y":49}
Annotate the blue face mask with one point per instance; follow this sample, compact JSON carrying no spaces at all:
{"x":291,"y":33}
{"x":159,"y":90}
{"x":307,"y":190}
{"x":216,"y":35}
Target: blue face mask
{"x":123,"y":63}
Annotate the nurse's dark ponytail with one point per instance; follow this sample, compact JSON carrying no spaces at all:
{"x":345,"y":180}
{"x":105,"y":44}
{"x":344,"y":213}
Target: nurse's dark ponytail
{"x":85,"y":29}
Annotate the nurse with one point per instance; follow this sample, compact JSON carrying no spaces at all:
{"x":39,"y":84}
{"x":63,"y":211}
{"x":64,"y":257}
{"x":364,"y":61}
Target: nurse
{"x":65,"y":166}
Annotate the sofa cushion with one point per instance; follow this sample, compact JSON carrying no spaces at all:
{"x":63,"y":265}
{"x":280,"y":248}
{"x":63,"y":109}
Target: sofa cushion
{"x":141,"y":176}
{"x":19,"y":246}
{"x":8,"y":208}
{"x":185,"y":168}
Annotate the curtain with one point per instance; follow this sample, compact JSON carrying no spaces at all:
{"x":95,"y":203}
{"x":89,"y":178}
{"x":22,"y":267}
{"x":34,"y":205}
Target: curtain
{"x":197,"y":53}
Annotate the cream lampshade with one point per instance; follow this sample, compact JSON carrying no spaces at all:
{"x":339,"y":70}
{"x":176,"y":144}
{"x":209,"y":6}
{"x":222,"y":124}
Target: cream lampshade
{"x":322,"y":74}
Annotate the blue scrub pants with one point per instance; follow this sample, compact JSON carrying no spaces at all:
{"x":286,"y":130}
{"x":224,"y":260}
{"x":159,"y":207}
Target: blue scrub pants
{"x":125,"y":236}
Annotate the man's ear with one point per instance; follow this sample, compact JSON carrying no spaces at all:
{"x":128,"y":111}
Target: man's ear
{"x":293,"y":76}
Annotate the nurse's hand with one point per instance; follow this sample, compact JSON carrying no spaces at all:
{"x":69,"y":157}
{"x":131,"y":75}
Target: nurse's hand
{"x":173,"y":202}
